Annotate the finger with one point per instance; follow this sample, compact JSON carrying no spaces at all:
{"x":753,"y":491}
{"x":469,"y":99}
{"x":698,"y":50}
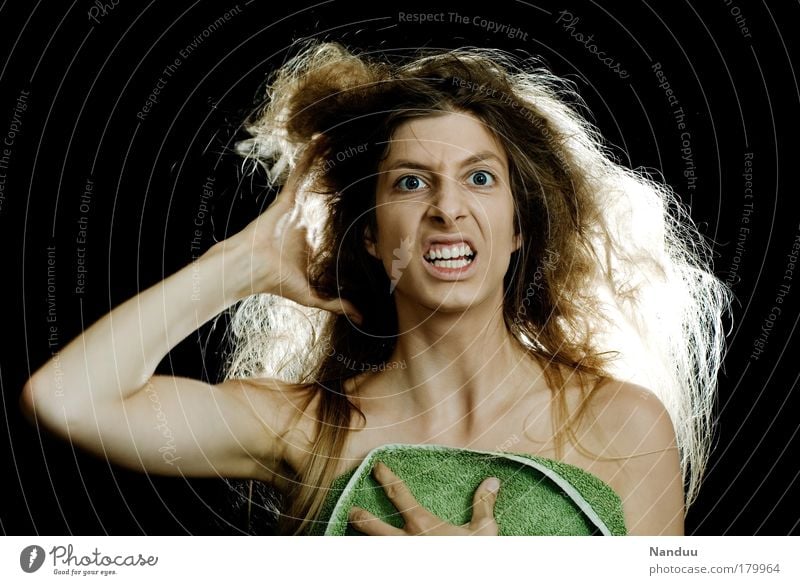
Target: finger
{"x":337,"y":305}
{"x":483,"y":503}
{"x":396,"y":490}
{"x":295,"y":286}
{"x":303,"y":161}
{"x":340,"y":306}
{"x":370,"y":524}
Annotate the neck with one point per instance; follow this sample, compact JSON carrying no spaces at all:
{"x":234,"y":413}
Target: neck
{"x":461,"y":369}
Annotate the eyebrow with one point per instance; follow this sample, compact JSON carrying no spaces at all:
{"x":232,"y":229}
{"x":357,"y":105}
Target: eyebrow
{"x":477,"y":157}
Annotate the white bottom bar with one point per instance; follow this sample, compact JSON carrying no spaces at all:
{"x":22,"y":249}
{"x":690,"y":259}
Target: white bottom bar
{"x":331,"y":560}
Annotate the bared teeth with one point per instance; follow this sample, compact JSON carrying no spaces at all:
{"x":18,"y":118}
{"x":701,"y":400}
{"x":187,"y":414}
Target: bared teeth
{"x":448,"y":252}
{"x":457,"y":263}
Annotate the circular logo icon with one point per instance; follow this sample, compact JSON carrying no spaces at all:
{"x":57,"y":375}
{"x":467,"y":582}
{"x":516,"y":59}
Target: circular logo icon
{"x":31,"y":558}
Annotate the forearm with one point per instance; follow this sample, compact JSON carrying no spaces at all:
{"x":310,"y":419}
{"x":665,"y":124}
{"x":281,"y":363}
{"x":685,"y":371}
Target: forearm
{"x":117,"y":355}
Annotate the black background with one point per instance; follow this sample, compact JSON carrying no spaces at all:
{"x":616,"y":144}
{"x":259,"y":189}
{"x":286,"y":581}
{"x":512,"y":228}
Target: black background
{"x":87,"y":79}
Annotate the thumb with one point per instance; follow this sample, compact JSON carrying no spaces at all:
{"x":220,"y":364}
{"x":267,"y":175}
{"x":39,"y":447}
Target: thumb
{"x":483,"y":503}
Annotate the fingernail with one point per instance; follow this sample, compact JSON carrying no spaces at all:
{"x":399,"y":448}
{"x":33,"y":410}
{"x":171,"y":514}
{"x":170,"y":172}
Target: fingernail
{"x":493,"y":484}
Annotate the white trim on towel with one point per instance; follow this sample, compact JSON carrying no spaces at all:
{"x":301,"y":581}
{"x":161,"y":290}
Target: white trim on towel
{"x":565,"y":485}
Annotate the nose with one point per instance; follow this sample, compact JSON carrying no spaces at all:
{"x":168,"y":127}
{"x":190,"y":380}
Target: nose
{"x":448,"y":204}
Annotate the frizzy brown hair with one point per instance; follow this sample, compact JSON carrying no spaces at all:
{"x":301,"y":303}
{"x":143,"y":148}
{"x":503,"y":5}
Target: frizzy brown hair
{"x":603,"y":246}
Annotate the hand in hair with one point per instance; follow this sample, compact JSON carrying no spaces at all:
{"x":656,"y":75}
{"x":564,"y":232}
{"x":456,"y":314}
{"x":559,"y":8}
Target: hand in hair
{"x":418,"y":520}
{"x":279,"y":250}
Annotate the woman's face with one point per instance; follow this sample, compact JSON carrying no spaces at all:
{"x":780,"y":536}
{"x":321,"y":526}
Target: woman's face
{"x":445,"y":213}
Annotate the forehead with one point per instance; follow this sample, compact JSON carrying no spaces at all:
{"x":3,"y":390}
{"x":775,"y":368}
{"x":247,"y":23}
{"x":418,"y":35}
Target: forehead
{"x":451,"y":136}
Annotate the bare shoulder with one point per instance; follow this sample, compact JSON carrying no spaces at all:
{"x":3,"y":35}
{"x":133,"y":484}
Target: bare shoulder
{"x":279,"y":398}
{"x":632,"y":426}
{"x":631,"y":418}
{"x":286,"y":410}
{"x":281,"y":404}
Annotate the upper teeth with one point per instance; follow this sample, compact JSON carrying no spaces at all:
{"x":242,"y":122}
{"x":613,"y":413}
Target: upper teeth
{"x":447,"y":252}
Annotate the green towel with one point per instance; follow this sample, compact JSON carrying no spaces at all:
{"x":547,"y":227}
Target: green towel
{"x":538,"y":496}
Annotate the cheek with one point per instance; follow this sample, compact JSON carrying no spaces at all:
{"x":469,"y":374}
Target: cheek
{"x":503,"y":222}
{"x":511,"y":221}
{"x":380,"y":247}
{"x":396,"y":224}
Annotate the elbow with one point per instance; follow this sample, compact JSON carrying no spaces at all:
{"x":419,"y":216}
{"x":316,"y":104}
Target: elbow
{"x":39,"y":402}
{"x":26,"y":401}
{"x":33,"y":402}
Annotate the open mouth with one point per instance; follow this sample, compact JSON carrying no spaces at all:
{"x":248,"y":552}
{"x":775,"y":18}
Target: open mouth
{"x":450,"y":256}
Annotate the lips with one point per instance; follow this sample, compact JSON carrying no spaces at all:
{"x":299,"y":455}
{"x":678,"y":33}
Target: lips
{"x":449,"y":254}
{"x":439,"y":242}
{"x":449,"y":257}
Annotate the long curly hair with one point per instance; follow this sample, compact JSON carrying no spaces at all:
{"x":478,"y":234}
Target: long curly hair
{"x":612,"y":279}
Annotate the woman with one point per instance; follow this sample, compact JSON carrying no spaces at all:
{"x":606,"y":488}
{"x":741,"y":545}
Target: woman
{"x":453,"y":258}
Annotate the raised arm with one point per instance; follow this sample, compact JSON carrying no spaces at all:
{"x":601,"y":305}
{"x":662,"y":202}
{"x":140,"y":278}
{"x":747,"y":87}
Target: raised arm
{"x":100,"y":391}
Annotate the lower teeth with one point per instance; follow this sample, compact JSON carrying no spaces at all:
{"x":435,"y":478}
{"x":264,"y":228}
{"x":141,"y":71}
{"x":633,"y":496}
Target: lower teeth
{"x":451,"y":263}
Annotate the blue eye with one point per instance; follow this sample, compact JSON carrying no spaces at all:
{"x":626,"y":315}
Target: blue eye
{"x":482,"y":178}
{"x":410,"y":183}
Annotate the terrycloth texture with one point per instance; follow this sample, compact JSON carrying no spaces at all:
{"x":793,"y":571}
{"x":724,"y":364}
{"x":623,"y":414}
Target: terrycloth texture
{"x":538,"y":496}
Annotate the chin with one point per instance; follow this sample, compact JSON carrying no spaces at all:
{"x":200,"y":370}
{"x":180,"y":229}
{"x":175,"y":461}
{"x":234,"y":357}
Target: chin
{"x":445,"y":300}
{"x":442,"y":296}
